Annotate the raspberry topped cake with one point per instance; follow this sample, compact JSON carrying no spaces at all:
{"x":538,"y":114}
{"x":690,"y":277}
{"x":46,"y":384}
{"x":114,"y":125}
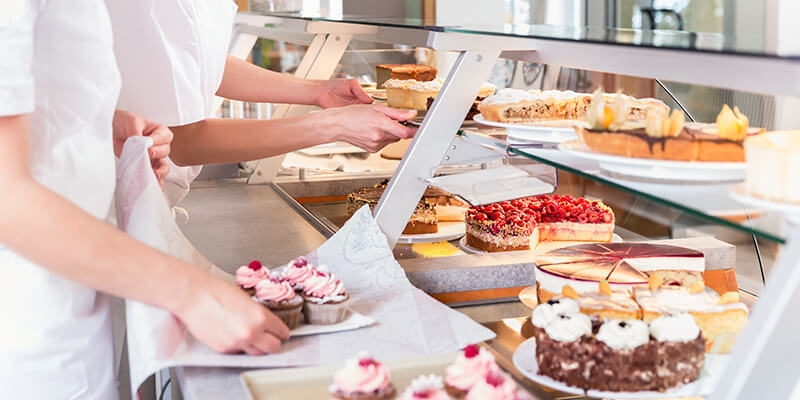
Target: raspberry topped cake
{"x":325,"y":299}
{"x":497,"y":385}
{"x":297,"y":272}
{"x":248,"y":276}
{"x":467,"y":370}
{"x":362,"y":378}
{"x":522,"y":223}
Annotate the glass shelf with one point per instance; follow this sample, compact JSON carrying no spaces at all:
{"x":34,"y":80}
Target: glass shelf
{"x":706,"y":42}
{"x":707,"y":201}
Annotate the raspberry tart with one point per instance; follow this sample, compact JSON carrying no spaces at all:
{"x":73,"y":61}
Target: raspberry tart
{"x":522,"y":223}
{"x":362,"y":378}
{"x":248,"y":276}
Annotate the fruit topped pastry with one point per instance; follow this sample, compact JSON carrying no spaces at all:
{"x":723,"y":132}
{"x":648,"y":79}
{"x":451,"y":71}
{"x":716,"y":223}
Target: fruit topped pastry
{"x":664,"y":135}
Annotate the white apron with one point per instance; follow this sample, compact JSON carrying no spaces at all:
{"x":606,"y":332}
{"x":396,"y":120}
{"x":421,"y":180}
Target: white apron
{"x":171,"y":55}
{"x":57,"y":64}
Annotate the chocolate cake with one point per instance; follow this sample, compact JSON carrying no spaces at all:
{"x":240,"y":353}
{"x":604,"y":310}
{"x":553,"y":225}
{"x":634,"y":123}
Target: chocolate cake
{"x":616,"y":355}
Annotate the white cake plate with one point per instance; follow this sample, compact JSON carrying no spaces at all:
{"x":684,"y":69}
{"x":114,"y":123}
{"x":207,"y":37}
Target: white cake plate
{"x":791,"y":210}
{"x":543,"y":246}
{"x":665,"y":170}
{"x":544,"y":131}
{"x":447,"y":231}
{"x":525,"y":361}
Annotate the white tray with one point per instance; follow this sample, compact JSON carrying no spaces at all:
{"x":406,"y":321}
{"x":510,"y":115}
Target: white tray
{"x":525,"y":360}
{"x":542,"y":246}
{"x":791,"y":210}
{"x":447,"y":231}
{"x":665,"y":170}
{"x":353,"y":321}
{"x":491,"y":185}
{"x":331,"y":148}
{"x":556,"y":131}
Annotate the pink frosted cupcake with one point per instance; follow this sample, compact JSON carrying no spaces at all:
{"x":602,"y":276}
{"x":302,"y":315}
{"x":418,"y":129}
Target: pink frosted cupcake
{"x":362,"y":378}
{"x":425,"y":387}
{"x":297,"y":272}
{"x":282,"y":300}
{"x":248,"y":276}
{"x":325,"y":299}
{"x":471,"y":367}
{"x":496,"y":386}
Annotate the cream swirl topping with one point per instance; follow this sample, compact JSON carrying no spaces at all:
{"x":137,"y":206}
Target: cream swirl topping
{"x":268,"y":290}
{"x":496,"y":386}
{"x":569,"y":327}
{"x":674,"y":328}
{"x":428,"y":387}
{"x":624,"y":335}
{"x":323,"y":285}
{"x":361,"y":375}
{"x":470,"y":367}
{"x":545,"y":313}
{"x":248,"y":276}
{"x":298,"y":271}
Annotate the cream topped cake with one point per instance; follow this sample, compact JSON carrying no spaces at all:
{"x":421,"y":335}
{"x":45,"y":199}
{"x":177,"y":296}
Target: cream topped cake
{"x":773,"y":166}
{"x":721,"y":318}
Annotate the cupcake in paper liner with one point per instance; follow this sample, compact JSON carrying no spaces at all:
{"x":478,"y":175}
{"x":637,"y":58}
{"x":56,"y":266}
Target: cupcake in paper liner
{"x":362,"y":378}
{"x":281,"y":299}
{"x":469,"y":368}
{"x":248,"y":276}
{"x":325,"y":299}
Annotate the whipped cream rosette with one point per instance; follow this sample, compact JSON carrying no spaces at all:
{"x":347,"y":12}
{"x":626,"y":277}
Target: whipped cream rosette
{"x":497,"y":385}
{"x":470,"y":367}
{"x":426,"y":387}
{"x":281,"y":299}
{"x":248,"y":276}
{"x":297,"y":272}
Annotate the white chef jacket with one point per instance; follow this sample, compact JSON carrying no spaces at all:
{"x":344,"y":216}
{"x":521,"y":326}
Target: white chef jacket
{"x":171,"y":55}
{"x":57,"y":64}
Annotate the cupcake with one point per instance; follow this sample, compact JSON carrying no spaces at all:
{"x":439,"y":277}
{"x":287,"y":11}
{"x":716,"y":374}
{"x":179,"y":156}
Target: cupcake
{"x":426,"y":387}
{"x":496,"y":386}
{"x":362,"y":378}
{"x":297,"y":272}
{"x":468,"y":369}
{"x":325,"y":299}
{"x":282,"y":300}
{"x":248,"y":276}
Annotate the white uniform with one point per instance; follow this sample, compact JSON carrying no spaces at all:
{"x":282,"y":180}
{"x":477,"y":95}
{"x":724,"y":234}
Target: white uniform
{"x":57,"y":63}
{"x":171,"y":55}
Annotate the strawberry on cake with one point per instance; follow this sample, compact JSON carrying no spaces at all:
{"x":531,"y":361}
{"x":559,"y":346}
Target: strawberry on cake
{"x":522,"y":223}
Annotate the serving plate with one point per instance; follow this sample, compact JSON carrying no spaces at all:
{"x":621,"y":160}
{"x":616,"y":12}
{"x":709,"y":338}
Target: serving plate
{"x":791,"y":210}
{"x":664,"y":170}
{"x":524,"y":359}
{"x":447,"y":231}
{"x":556,"y":131}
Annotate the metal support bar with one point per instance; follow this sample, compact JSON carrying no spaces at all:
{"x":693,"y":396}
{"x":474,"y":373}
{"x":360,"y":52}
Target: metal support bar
{"x":463,"y":151}
{"x":432,"y":140}
{"x":319,"y":62}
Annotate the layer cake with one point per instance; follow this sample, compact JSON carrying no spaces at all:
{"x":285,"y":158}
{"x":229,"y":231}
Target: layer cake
{"x":422,"y":73}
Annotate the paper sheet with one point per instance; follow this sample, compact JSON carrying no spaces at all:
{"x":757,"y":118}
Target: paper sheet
{"x":409,"y":322}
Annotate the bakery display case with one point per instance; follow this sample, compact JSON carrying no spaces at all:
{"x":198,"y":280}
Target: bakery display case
{"x":719,"y":209}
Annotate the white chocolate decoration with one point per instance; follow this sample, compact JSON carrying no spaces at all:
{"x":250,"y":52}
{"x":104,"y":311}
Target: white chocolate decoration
{"x":624,"y":335}
{"x":545,"y":313}
{"x":674,"y":328}
{"x":569,"y":327}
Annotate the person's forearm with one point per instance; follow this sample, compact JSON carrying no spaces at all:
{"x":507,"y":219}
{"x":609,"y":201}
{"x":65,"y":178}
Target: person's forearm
{"x":233,"y":140}
{"x":48,"y":230}
{"x":247,"y":82}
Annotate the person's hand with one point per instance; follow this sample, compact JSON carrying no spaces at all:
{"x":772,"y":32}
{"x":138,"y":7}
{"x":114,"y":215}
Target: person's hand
{"x":224,"y":318}
{"x":367,"y":126}
{"x":341,"y":92}
{"x":127,"y":124}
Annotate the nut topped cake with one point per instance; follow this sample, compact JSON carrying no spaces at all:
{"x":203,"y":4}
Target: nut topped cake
{"x":514,"y":105}
{"x":522,"y":223}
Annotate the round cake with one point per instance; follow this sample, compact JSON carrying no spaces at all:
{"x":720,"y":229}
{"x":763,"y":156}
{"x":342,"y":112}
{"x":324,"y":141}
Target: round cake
{"x":616,"y":355}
